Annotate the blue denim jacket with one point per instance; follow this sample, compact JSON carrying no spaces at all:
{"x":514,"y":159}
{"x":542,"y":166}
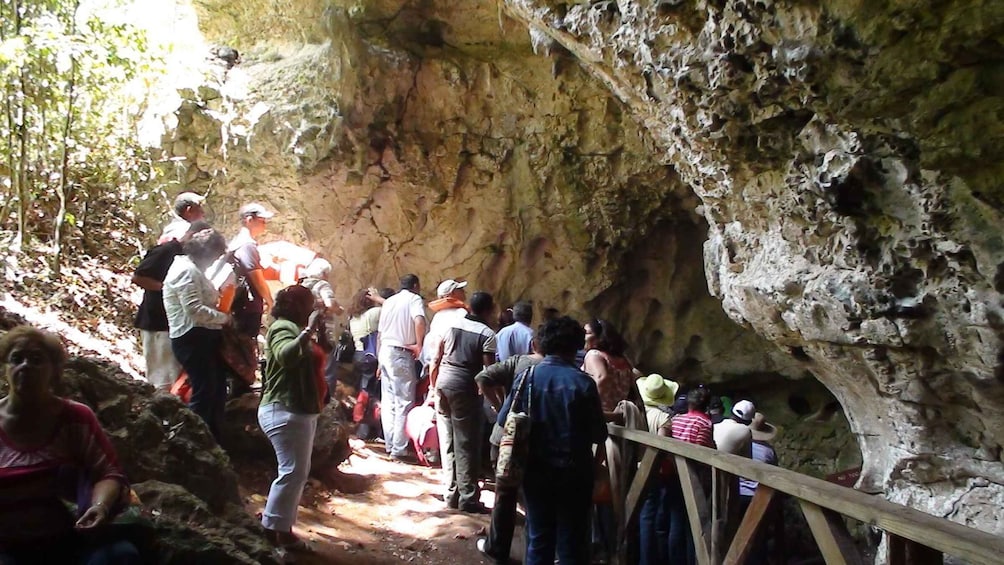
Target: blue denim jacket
{"x":565,"y":413}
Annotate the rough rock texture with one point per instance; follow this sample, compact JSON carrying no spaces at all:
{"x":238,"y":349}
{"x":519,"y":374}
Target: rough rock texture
{"x":187,"y":488}
{"x":244,"y":440}
{"x":433,"y":140}
{"x":845,"y":155}
{"x":827,"y":170}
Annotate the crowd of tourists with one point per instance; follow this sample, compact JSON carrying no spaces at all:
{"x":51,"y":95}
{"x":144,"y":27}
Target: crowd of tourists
{"x":452,"y":387}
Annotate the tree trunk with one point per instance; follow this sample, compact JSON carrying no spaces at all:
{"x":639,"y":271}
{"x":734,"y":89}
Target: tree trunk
{"x":62,"y":189}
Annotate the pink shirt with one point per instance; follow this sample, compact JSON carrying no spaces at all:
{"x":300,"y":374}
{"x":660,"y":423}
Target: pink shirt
{"x":35,"y":481}
{"x":616,"y":384}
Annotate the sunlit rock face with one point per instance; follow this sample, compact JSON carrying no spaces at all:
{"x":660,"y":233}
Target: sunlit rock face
{"x":446,"y":142}
{"x":847,"y":161}
{"x":827,"y":170}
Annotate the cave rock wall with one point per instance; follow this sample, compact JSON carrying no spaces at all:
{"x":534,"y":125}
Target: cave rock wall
{"x":402,"y":137}
{"x":846,"y":160}
{"x":826,"y":170}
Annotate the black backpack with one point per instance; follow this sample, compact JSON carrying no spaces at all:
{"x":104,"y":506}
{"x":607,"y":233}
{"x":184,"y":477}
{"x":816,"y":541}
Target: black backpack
{"x":345,"y":350}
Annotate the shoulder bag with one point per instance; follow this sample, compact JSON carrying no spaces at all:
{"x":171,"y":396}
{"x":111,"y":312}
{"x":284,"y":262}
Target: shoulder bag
{"x":515,"y":444}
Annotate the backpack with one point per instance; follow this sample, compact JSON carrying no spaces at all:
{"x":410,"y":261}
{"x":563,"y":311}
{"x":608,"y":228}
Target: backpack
{"x":243,"y":293}
{"x":345,"y":349}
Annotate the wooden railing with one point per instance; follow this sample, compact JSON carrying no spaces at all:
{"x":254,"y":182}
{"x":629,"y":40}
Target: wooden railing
{"x":721,"y":536}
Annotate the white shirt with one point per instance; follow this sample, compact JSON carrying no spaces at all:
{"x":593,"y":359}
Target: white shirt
{"x":190,"y":299}
{"x":733,"y":437}
{"x":397,"y":319}
{"x":442,"y":321}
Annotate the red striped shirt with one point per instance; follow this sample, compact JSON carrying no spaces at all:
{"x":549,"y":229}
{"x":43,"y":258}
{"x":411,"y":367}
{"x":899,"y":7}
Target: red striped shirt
{"x":694,"y":427}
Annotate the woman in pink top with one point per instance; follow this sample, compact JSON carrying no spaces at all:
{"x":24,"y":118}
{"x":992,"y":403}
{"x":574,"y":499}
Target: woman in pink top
{"x":53,"y":450}
{"x":606,"y":363}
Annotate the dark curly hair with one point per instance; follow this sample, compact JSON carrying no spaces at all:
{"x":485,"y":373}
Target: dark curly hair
{"x":294,"y":303}
{"x":562,"y":337}
{"x":608,"y":339}
{"x":50,"y":343}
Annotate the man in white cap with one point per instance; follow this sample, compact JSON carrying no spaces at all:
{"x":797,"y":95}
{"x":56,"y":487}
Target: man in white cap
{"x":187,"y":209}
{"x":732,"y":435}
{"x":449,"y":304}
{"x":252,"y":297}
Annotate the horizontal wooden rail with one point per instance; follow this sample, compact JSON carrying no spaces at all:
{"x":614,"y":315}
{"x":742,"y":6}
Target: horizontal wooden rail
{"x":907,"y":523}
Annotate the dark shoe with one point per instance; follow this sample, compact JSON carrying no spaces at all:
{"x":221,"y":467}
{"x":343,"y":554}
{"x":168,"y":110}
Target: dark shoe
{"x":408,"y":458}
{"x":476,"y":508}
{"x":453,"y":504}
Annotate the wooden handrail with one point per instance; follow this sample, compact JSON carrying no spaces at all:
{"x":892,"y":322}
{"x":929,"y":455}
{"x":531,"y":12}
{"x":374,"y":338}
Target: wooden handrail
{"x":938,"y":533}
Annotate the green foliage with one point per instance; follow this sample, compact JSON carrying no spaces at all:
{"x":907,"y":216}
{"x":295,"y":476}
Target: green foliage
{"x":73,"y":86}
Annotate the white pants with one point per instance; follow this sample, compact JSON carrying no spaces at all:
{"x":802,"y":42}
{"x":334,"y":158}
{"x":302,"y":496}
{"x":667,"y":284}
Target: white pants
{"x":292,"y":437}
{"x":162,"y":369}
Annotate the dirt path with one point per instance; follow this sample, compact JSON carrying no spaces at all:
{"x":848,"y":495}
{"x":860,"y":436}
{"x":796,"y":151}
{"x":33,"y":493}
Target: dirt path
{"x":396,"y":518}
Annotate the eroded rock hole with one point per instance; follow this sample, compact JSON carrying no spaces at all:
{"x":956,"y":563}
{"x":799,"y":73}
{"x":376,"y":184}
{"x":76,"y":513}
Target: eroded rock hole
{"x":799,"y":405}
{"x":800,"y":354}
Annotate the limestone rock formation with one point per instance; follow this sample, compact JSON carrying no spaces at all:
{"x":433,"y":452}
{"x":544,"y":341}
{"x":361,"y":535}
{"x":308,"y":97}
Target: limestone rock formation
{"x":826,"y":170}
{"x":849,"y":189}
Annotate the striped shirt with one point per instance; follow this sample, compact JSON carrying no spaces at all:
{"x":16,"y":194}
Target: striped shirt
{"x":694,"y":427}
{"x":34,"y":481}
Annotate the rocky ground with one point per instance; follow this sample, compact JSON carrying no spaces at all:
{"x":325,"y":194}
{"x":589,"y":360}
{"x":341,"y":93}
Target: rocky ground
{"x":393,"y":518}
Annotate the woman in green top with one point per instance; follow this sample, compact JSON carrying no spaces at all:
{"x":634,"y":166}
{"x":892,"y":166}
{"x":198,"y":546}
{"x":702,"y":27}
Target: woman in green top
{"x":290,"y":403}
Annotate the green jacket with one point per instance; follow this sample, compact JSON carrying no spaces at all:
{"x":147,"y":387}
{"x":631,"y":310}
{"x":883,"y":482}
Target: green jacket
{"x":289,"y":370}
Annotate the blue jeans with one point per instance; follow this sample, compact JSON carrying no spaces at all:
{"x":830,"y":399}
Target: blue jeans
{"x":397,"y":395}
{"x":557,"y":514}
{"x":292,"y":437}
{"x":653,"y":528}
{"x":681,"y":538}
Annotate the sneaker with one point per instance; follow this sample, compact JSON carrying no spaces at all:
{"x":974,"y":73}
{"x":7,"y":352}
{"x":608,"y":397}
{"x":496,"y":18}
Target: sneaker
{"x":482,"y":545}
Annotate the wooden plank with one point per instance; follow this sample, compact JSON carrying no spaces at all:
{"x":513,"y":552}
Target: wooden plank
{"x":943,"y":535}
{"x":905,"y":552}
{"x":641,"y":485}
{"x":719,"y":513}
{"x":697,"y":507}
{"x":831,"y":535}
{"x":746,"y":535}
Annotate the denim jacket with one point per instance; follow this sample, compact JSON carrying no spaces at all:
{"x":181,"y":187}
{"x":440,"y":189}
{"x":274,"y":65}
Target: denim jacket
{"x":565,"y":413}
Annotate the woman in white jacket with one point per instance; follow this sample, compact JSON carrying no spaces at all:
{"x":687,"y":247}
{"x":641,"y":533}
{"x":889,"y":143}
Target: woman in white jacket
{"x":195,"y":325}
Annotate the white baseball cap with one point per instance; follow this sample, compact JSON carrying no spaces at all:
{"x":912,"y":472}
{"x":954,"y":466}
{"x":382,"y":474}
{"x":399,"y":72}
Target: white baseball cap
{"x":744,"y":410}
{"x":256,"y":210}
{"x":448,"y":286}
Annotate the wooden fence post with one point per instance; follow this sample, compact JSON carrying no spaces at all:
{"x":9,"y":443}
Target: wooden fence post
{"x":831,"y":534}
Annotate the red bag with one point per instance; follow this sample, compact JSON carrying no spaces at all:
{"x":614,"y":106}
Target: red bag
{"x":182,"y":388}
{"x":238,"y":353}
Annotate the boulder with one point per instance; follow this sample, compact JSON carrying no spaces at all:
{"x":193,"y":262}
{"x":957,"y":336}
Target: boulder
{"x":243,"y":439}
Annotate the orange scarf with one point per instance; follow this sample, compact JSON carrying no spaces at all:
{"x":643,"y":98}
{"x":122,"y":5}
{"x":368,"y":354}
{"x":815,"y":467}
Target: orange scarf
{"x":444,"y":303}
